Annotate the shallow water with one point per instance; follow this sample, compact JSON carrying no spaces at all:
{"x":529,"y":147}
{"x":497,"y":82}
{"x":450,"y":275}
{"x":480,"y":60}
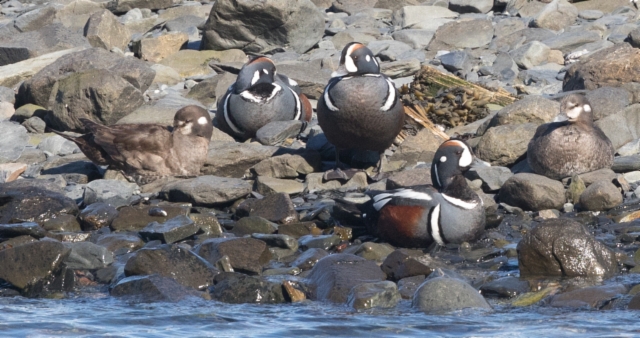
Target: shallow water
{"x":91,"y":315}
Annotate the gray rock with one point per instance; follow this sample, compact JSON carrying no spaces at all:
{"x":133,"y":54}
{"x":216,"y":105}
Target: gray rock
{"x":153,"y":288}
{"x":206,"y":190}
{"x":557,"y":15}
{"x":277,"y":241}
{"x":14,"y":138}
{"x":570,"y":40}
{"x":388,"y":50}
{"x":408,"y":286}
{"x":103,"y":30}
{"x":374,"y":295}
{"x":276,"y":132}
{"x":173,"y":230}
{"x":503,"y":68}
{"x":403,"y":263}
{"x":122,"y":6}
{"x":506,"y":287}
{"x":159,"y":111}
{"x":621,"y":127}
{"x":310,"y":76}
{"x":604,"y":174}
{"x":607,"y":101}
{"x":275,"y":207}
{"x":408,"y":178}
{"x":371,"y":251}
{"x":444,"y":294}
{"x":626,"y":163}
{"x":76,"y":168}
{"x":120,"y":243}
{"x":564,"y":247}
{"x":462,"y":34}
{"x":88,"y":256}
{"x":325,"y":242}
{"x":530,"y":109}
{"x":504,"y":145}
{"x":35,"y":125}
{"x":493,"y":178}
{"x":269,"y":185}
{"x":531,"y":54}
{"x":246,"y":255}
{"x":333,"y":277}
{"x":57,"y":145}
{"x":457,"y":61}
{"x":113,"y":192}
{"x":22,"y":229}
{"x":400,"y":68}
{"x":288,"y":166}
{"x":237,"y":288}
{"x":97,"y":216}
{"x":233,"y":159}
{"x":600,"y":196}
{"x":595,"y":297}
{"x":253,"y":225}
{"x":309,"y":258}
{"x":35,"y":19}
{"x":518,"y":38}
{"x":33,"y":203}
{"x":471,"y":6}
{"x":590,"y":14}
{"x":606,"y":67}
{"x":48,"y":39}
{"x":184,"y":266}
{"x":629,"y":149}
{"x":269,"y":25}
{"x":30,"y":267}
{"x":507,"y":26}
{"x":418,"y":17}
{"x":416,"y":38}
{"x":342,"y":38}
{"x":532,"y":192}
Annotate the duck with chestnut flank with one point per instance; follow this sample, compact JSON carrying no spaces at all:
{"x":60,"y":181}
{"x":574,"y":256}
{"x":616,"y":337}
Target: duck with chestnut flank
{"x":260,"y":96}
{"x":146,"y":152}
{"x":446,"y":212}
{"x":572,"y":144}
{"x":360,"y":107}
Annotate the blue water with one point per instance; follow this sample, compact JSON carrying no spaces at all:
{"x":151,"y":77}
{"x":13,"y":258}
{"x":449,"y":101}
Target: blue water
{"x":93,"y":315}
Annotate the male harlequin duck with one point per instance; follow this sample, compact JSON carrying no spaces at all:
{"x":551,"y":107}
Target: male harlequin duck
{"x":360,"y":107}
{"x":447,"y":212}
{"x":145,"y":152}
{"x":260,"y":96}
{"x":572,"y":145}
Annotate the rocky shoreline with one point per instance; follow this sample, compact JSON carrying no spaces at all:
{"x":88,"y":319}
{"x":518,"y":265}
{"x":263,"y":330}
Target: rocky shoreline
{"x":260,"y":225}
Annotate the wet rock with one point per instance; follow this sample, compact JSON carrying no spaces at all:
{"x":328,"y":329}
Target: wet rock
{"x":247,"y":255}
{"x":206,"y":190}
{"x":208,"y":224}
{"x":156,"y":48}
{"x":269,"y":185}
{"x":594,"y":297}
{"x":309,"y":258}
{"x":462,"y":34}
{"x":17,"y":241}
{"x":21,"y":229}
{"x":96,"y":216}
{"x":493,"y":178}
{"x":404,"y":263}
{"x":173,"y":230}
{"x":184,"y":266}
{"x":153,"y":288}
{"x":275,"y":208}
{"x":14,"y":138}
{"x":233,"y":159}
{"x":29,"y":267}
{"x":88,"y":256}
{"x":63,"y":223}
{"x":444,"y":294}
{"x":278,"y":241}
{"x":113,"y":192}
{"x":557,"y":15}
{"x":374,"y":295}
{"x":325,"y":242}
{"x":31,"y":204}
{"x":277,"y":131}
{"x":134,"y":218}
{"x":603,"y":68}
{"x":120,"y":243}
{"x":504,"y":145}
{"x":532,"y":192}
{"x":507,"y":287}
{"x":563,"y":247}
{"x":237,"y":288}
{"x":371,"y":251}
{"x":250,"y":225}
{"x":408,"y":286}
{"x":333,"y":277}
{"x":269,"y":25}
{"x":600,"y":196}
{"x":408,"y":178}
{"x":103,"y":30}
{"x":288,"y":166}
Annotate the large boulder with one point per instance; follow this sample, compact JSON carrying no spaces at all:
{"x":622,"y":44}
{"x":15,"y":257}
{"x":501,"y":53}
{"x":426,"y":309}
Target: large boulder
{"x":103,"y":30}
{"x":612,"y":67}
{"x":532,"y":192}
{"x":505,"y":144}
{"x":621,"y":127}
{"x":462,"y":34}
{"x":206,"y":190}
{"x":556,"y":15}
{"x":563,"y":247}
{"x":600,"y":196}
{"x":153,"y":288}
{"x":13,"y":141}
{"x":445,"y":294}
{"x":259,"y":26}
{"x":33,"y":204}
{"x":246,"y":255}
{"x":531,"y":109}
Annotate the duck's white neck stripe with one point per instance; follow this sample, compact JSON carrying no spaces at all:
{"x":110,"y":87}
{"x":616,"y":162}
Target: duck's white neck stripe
{"x":327,"y":98}
{"x":460,"y":203}
{"x":435,"y":225}
{"x":412,"y":194}
{"x":249,"y":96}
{"x":226,"y":115}
{"x":391,"y":96}
{"x":298,"y":111}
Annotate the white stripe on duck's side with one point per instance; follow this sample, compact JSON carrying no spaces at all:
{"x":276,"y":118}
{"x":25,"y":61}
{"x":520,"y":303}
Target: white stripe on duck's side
{"x":249,"y":96}
{"x":381,"y":200}
{"x":327,"y":97}
{"x":226,"y":115}
{"x":298,"y":105}
{"x":434,"y":224}
{"x":460,"y":203}
{"x":391,"y":96}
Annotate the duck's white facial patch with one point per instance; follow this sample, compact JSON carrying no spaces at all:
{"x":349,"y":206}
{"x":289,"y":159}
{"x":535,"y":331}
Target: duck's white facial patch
{"x":443,"y":159}
{"x":368,"y":58}
{"x":202,"y":120}
{"x":292,"y":82}
{"x":348,"y":60}
{"x":460,"y":203}
{"x":185,"y":129}
{"x":255,"y":78}
{"x":574,"y":112}
{"x":265,"y":71}
{"x":587,"y":108}
{"x":466,"y":158}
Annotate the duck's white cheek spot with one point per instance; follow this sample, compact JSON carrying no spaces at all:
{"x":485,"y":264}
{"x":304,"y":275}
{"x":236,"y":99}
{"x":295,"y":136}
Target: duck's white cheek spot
{"x":443,"y":159}
{"x":202,"y":120}
{"x":265,"y":71}
{"x":587,"y":108}
{"x":368,"y":58}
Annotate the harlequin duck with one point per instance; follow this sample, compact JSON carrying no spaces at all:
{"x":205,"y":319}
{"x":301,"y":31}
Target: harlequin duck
{"x":360,"y":107}
{"x":260,"y":96}
{"x":145,"y":152}
{"x":572,"y":144}
{"x":446,"y":212}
